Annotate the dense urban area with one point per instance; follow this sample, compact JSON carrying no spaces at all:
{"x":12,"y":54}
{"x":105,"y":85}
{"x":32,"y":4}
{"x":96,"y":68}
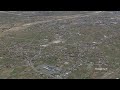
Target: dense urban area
{"x":59,"y":44}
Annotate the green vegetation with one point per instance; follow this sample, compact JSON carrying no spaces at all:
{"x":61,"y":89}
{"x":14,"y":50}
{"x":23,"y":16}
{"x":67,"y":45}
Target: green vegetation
{"x":71,"y":47}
